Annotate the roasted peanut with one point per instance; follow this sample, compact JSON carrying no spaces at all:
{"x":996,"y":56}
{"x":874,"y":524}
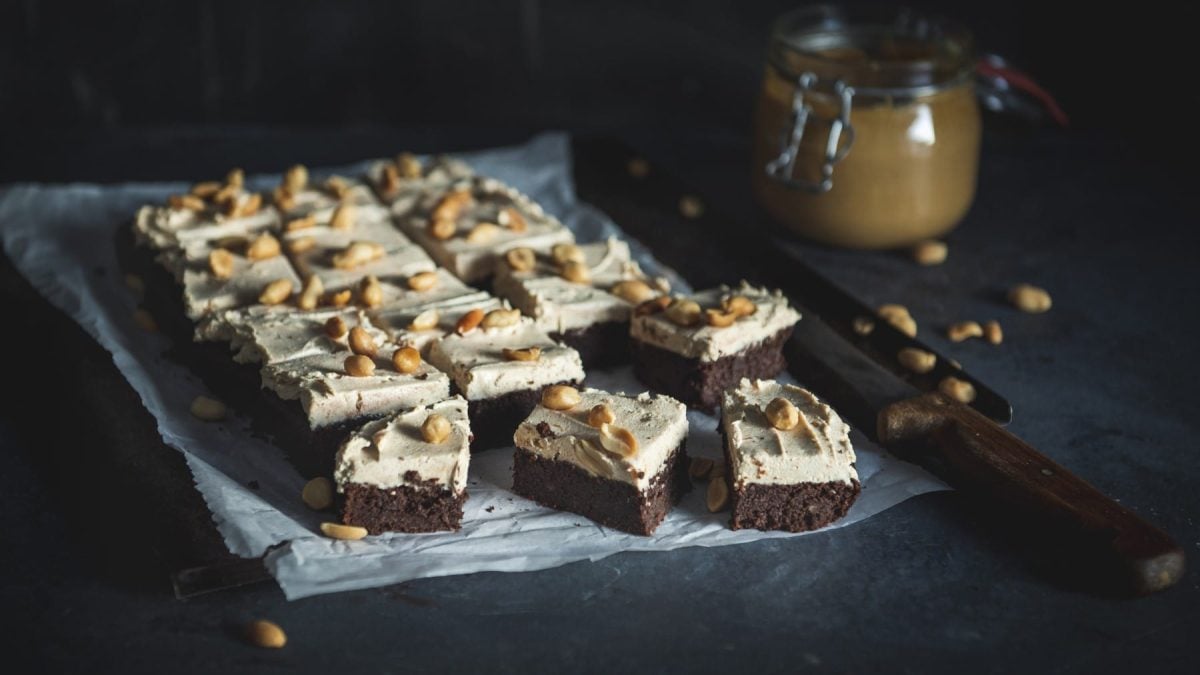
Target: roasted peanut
{"x":358,"y":365}
{"x":565,"y":253}
{"x":957,"y":332}
{"x":335,"y":327}
{"x":863,"y":326}
{"x":576,"y":272}
{"x":370,"y":292}
{"x":300,"y":245}
{"x":283,"y":199}
{"x":337,"y":187}
{"x":276,"y":292}
{"x":422,"y":281}
{"x":301,"y":223}
{"x":898,"y":316}
{"x":930,"y":253}
{"x":601,"y":414}
{"x":346,"y":532}
{"x":959,"y":390}
{"x":208,"y":409}
{"x":389,"y":180}
{"x":435,"y":429}
{"x":338,"y":299}
{"x":1030,"y":299}
{"x":426,"y":320}
{"x":206,"y":189}
{"x":739,"y":305}
{"x":310,"y":294}
{"x":482,"y":233}
{"x":520,"y":259}
{"x":361,"y":342}
{"x":406,"y":360}
{"x":633,"y":291}
{"x":263,"y":247}
{"x":993,"y":333}
{"x":638,"y":167}
{"x":220,"y":263}
{"x":442,"y":229}
{"x":917,"y":360}
{"x":408,"y":166}
{"x":691,"y":207}
{"x":782,"y":414}
{"x":512,"y":219}
{"x":526,"y":354}
{"x":295,"y":179}
{"x":501,"y":318}
{"x":452,"y":205}
{"x":236,"y":178}
{"x":343,"y":217}
{"x":318,"y":493}
{"x":560,"y":397}
{"x":469,"y":321}
{"x":263,"y":633}
{"x":652,"y":306}
{"x":717,"y":497}
{"x":618,"y":440}
{"x":358,"y":253}
{"x":719,"y":319}
{"x":185,"y":202}
{"x":683,"y":312}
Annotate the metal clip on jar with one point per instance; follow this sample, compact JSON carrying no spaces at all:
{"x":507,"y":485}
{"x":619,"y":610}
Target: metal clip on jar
{"x":867,"y":130}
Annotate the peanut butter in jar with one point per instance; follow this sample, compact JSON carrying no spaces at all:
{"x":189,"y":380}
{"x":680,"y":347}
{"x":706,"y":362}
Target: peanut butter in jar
{"x":881,"y":146}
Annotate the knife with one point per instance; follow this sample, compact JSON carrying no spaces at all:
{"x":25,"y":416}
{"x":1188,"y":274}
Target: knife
{"x":861,"y":378}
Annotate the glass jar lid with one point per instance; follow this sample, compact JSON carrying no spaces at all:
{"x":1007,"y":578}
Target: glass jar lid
{"x":878,"y":51}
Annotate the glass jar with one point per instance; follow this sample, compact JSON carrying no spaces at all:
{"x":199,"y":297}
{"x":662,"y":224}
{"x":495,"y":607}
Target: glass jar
{"x":867,"y":130}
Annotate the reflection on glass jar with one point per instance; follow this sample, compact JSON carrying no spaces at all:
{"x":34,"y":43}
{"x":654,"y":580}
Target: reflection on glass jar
{"x":867,"y":129}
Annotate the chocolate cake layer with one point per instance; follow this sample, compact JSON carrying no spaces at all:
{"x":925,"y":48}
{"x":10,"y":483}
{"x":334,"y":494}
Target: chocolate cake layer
{"x":793,"y":508}
{"x":600,"y":345}
{"x":700,"y":383}
{"x":612,"y":503}
{"x":494,"y":420}
{"x":428,"y":508}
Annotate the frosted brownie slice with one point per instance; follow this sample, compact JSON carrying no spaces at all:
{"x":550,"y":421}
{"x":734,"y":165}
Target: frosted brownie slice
{"x":695,"y":347}
{"x":467,"y":225}
{"x":789,"y":461}
{"x":232,"y":272}
{"x":209,"y":211}
{"x":398,"y":181}
{"x":618,"y":460}
{"x":420,"y":317}
{"x":582,"y":295}
{"x":500,"y":362}
{"x":408,"y":471}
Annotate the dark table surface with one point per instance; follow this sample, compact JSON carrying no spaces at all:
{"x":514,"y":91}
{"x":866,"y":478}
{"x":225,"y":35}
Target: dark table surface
{"x":98,"y":515}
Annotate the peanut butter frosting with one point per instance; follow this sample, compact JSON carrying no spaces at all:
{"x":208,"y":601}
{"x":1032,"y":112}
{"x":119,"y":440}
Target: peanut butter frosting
{"x":476,"y":362}
{"x":817,"y":450}
{"x":708,"y":343}
{"x":391,"y":452}
{"x":658,"y":423}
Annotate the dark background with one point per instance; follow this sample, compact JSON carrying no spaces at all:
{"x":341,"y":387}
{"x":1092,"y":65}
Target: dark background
{"x":74,"y":73}
{"x":98,"y":512}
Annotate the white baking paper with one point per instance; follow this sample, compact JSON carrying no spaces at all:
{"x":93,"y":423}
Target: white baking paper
{"x":61,"y":239}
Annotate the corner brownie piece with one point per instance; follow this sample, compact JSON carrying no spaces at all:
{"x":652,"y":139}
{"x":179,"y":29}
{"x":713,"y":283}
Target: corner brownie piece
{"x":395,"y":478}
{"x":573,"y":461}
{"x":697,"y":346}
{"x":501,"y":364}
{"x":585,"y":305}
{"x":465,"y":226}
{"x":789,"y":461}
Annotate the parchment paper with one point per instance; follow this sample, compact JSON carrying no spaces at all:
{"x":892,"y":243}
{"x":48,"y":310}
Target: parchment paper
{"x":60,"y":238}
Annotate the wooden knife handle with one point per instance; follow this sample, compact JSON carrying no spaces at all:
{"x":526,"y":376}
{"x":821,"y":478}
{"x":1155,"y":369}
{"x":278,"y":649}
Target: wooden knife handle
{"x":1007,"y":469}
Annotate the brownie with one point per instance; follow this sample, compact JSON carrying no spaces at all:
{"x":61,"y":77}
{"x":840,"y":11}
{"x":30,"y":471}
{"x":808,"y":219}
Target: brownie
{"x":494,"y":419}
{"x":566,"y":487}
{"x":697,"y":345}
{"x":701,"y":383}
{"x":402,"y":509}
{"x":793,"y":472}
{"x":601,"y":345}
{"x":617,"y":459}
